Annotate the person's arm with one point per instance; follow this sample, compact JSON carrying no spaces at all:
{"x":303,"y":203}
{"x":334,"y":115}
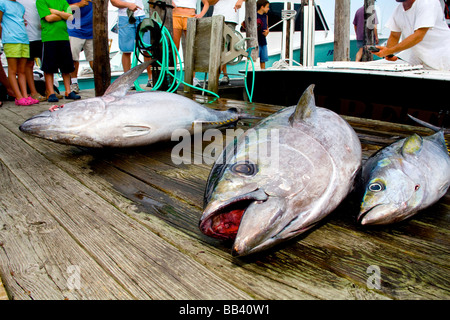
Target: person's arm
{"x":394,"y":46}
{"x":123,"y":4}
{"x":375,"y":32}
{"x":204,"y":10}
{"x":238,"y":5}
{"x":80,"y":4}
{"x":59,"y":14}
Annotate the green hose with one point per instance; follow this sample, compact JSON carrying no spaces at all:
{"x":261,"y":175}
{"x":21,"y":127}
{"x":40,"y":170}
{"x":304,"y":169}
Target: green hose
{"x":166,"y":41}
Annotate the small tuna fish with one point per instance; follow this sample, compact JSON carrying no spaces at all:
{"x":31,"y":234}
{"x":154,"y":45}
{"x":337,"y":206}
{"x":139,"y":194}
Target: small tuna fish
{"x":120,"y":120}
{"x":403,"y":178}
{"x":259,"y":201}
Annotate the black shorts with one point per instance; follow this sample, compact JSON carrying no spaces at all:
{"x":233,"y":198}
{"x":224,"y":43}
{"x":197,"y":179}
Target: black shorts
{"x":57,"y":57}
{"x":35,"y":49}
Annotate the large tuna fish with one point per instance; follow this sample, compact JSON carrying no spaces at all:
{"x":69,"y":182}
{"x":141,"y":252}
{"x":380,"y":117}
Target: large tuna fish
{"x":403,"y":178}
{"x":259,"y":201}
{"x":118,"y":119}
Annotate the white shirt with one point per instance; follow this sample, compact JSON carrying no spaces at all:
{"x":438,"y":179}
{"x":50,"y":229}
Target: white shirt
{"x":226,"y":8}
{"x":433,"y":52}
{"x":137,"y":13}
{"x":192,"y":4}
{"x":32,"y":18}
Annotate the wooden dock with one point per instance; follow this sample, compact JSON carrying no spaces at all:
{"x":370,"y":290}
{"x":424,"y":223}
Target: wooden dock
{"x":78,"y":223}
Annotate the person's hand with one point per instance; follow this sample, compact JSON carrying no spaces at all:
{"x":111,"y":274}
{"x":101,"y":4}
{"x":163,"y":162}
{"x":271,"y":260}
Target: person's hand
{"x":133,"y":7}
{"x":265,"y":32}
{"x":83,"y":3}
{"x":238,"y":5}
{"x":385,"y":53}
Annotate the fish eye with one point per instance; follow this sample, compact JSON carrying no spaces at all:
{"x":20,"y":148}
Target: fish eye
{"x":376,"y":187}
{"x":417,"y":187}
{"x":244,"y":168}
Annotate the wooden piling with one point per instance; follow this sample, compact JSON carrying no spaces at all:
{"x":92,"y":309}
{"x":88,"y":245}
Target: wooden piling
{"x":342,"y":31}
{"x":369,"y":16}
{"x":251,"y":27}
{"x":101,"y":67}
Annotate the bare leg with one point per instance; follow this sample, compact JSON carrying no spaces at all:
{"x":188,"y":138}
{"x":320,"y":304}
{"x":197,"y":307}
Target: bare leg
{"x":22,"y":78}
{"x":49,"y":83}
{"x":12,"y":72}
{"x":126,"y":61}
{"x":4,"y":80}
{"x":359,"y":54}
{"x":66,"y":81}
{"x":74,"y":74}
{"x":30,"y":78}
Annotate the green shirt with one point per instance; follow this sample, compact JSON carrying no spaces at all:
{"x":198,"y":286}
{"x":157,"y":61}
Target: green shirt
{"x":53,"y":31}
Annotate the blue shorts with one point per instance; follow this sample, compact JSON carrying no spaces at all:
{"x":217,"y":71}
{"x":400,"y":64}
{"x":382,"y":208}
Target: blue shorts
{"x":127,"y":34}
{"x":263,"y":54}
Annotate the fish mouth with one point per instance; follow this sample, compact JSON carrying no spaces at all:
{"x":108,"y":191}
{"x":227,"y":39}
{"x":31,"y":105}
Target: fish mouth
{"x":223,"y":222}
{"x":377,"y":215}
{"x":33,"y":125}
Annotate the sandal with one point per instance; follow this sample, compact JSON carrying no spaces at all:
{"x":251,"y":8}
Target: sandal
{"x":34,"y":101}
{"x":52,"y":98}
{"x":37,"y":96}
{"x":23,"y":102}
{"x":73,"y":96}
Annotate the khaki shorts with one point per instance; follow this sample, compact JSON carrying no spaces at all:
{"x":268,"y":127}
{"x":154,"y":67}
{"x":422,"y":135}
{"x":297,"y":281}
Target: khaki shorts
{"x":16,"y":50}
{"x":180,"y":22}
{"x":78,"y":44}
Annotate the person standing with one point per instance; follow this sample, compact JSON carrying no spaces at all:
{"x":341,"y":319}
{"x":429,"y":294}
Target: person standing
{"x":16,"y":47}
{"x":33,"y":25}
{"x":57,"y":55}
{"x":263,"y":7}
{"x":358,"y":23}
{"x":230,"y":10}
{"x":131,"y":14}
{"x":80,"y":37}
{"x":420,"y":33}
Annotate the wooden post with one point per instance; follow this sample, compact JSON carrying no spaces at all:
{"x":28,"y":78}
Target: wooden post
{"x":288,"y":36}
{"x":251,"y":27}
{"x":189,"y":57}
{"x":215,"y":54}
{"x":342,"y":31}
{"x":102,"y":67}
{"x":369,"y":25}
{"x":204,"y":40}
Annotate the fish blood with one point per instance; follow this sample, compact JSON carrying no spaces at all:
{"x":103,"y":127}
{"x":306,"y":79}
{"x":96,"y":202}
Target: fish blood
{"x":227,"y":224}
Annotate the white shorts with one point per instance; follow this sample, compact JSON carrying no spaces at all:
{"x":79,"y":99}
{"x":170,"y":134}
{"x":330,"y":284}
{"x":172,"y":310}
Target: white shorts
{"x":78,"y":44}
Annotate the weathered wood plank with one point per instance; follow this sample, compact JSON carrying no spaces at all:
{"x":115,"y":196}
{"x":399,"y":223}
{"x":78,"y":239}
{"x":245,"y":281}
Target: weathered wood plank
{"x":136,"y":257}
{"x":39,"y":259}
{"x":252,"y":277}
{"x":329,"y":262}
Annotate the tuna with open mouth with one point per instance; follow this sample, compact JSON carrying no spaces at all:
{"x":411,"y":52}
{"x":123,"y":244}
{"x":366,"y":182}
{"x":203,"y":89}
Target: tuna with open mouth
{"x":118,"y":119}
{"x":259,"y":199}
{"x":405,"y":177}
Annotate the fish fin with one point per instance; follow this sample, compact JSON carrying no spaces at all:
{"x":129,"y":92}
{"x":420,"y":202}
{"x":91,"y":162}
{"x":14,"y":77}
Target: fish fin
{"x":120,"y":87}
{"x":305,"y":107}
{"x":135,"y":130}
{"x":412,"y":145}
{"x":429,"y":125}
